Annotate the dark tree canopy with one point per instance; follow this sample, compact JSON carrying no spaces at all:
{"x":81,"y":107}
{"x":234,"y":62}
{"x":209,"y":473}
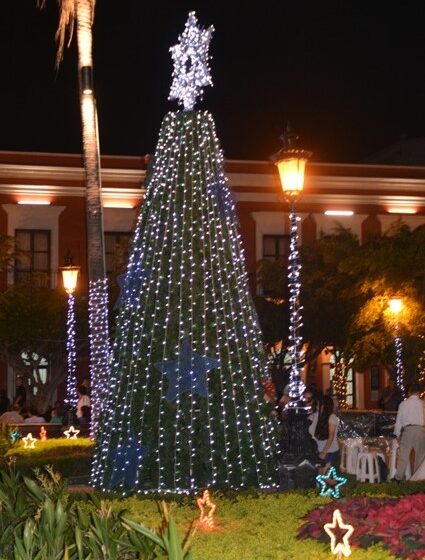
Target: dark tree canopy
{"x":345,"y":291}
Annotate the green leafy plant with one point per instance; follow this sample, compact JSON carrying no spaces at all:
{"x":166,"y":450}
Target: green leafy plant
{"x":39,"y":520}
{"x":7,"y":444}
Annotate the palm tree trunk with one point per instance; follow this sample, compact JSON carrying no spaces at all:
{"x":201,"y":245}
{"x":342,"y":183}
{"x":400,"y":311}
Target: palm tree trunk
{"x":98,"y":289}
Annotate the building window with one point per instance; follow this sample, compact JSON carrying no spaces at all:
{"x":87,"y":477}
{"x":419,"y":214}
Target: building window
{"x":33,"y":260}
{"x":276,"y":247}
{"x":350,"y":378}
{"x":39,"y":369}
{"x":272,"y":268}
{"x":117,"y":249}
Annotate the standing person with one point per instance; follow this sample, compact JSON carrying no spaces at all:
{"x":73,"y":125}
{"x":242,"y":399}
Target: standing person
{"x":83,"y":400}
{"x":324,"y":429}
{"x":86,"y":383}
{"x":391,"y":396}
{"x":21,"y":393}
{"x":410,"y":430}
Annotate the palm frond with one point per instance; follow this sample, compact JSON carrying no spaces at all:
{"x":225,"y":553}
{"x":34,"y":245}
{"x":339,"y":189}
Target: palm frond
{"x":67,"y":15}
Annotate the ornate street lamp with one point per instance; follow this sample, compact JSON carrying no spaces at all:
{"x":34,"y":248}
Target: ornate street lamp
{"x":395,"y":305}
{"x":291,"y":162}
{"x":70,"y":278}
{"x":299,"y":454}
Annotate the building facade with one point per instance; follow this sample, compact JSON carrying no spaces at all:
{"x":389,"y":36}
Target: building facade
{"x":42,"y":205}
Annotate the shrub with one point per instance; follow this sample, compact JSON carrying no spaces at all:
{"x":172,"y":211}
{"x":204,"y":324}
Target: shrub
{"x":71,"y":458}
{"x":397,"y":523}
{"x":39,"y":520}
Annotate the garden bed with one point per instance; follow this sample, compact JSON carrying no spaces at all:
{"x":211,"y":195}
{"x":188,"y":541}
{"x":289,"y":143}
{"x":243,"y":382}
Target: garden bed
{"x":260,"y":526}
{"x":264,"y":526}
{"x":69,"y":457}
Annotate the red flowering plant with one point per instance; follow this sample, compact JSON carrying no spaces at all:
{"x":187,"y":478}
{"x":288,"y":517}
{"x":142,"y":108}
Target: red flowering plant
{"x":397,"y":523}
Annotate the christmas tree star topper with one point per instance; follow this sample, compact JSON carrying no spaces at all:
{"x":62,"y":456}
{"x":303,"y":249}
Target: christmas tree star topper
{"x":190,"y":57}
{"x":343,"y":547}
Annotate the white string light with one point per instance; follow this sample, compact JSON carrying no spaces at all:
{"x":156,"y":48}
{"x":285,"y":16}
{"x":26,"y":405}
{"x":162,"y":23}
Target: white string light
{"x":71,"y":380}
{"x":296,"y":385}
{"x":99,"y":354}
{"x":187,"y":238}
{"x":191,"y":70}
{"x":399,"y":362}
{"x":186,"y":288}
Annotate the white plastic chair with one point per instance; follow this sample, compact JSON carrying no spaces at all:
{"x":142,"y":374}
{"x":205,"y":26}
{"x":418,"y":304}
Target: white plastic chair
{"x":351,"y":448}
{"x":368,"y":466}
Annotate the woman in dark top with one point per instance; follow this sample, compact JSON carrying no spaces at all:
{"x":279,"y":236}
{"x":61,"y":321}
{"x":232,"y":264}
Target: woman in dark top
{"x":21,"y":394}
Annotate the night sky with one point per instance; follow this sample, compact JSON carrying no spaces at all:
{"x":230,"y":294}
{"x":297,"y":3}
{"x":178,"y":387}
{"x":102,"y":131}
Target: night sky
{"x":349,"y":76}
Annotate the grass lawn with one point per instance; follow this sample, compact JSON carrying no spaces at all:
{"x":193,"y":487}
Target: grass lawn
{"x":250,"y":526}
{"x":261,"y":526}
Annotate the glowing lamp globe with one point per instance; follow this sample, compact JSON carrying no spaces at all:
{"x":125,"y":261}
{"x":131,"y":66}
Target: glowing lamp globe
{"x":291,"y":166}
{"x":396,"y":305}
{"x":70,"y":277}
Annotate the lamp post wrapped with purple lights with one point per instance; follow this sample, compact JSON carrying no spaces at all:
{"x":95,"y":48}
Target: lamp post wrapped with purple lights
{"x":291,"y":162}
{"x":70,"y":278}
{"x":299,"y":455}
{"x":395,"y":305}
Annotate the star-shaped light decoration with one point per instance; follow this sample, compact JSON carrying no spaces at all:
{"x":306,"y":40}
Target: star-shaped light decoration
{"x":339,"y":547}
{"x":133,"y":297}
{"x":126,"y":461}
{"x":187,"y":373}
{"x":29,"y":441}
{"x":330,"y":483}
{"x":71,"y":433}
{"x":14,"y":436}
{"x":190,"y":57}
{"x":206,"y":519}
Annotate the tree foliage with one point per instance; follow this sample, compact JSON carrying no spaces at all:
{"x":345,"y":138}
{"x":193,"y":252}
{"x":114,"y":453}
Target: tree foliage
{"x":345,"y":290}
{"x":33,"y":329}
{"x":7,"y":251}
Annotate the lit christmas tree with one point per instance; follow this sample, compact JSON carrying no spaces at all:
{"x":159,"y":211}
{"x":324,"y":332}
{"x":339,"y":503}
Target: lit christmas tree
{"x":186,"y":408}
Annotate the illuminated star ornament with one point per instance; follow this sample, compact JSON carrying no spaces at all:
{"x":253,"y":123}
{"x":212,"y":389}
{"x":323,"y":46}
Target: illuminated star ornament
{"x":71,"y":433}
{"x":206,"y":518}
{"x":29,"y":441}
{"x":330,"y":483}
{"x":187,"y":373}
{"x":339,"y":547}
{"x":131,"y":297}
{"x":14,"y":436}
{"x":190,"y":57}
{"x":126,"y":461}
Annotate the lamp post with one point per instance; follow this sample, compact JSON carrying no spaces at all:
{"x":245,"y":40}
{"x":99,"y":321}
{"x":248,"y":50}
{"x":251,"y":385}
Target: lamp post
{"x":70,"y":278}
{"x":395,"y":305}
{"x":291,"y":162}
{"x":297,"y":445}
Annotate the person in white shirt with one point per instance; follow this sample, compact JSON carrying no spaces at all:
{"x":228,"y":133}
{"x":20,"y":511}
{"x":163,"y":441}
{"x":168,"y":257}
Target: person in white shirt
{"x":410,"y":430}
{"x":34,"y":417}
{"x":83,"y":400}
